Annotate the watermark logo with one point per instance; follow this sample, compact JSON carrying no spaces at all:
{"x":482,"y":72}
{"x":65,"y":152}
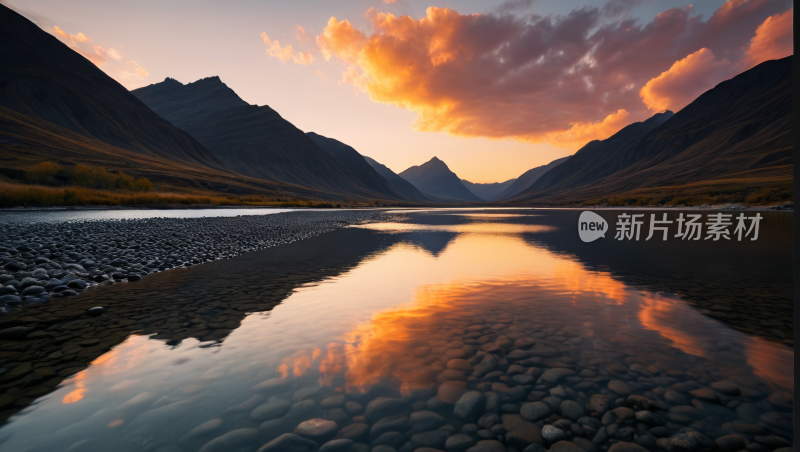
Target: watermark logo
{"x":591,"y":226}
{"x":689,"y":226}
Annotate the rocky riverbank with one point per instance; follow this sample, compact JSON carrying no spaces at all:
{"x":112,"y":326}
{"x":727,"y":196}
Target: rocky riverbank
{"x":45,"y":261}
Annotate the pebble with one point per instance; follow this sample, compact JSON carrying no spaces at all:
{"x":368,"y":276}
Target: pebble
{"x":489,"y":445}
{"x":85,"y":250}
{"x":289,"y":442}
{"x":381,"y":407}
{"x":338,"y":445}
{"x":317,"y":430}
{"x":206,"y":428}
{"x":535,"y":411}
{"x":552,"y":434}
{"x":470,"y":406}
{"x":235,"y":439}
{"x":271,"y":410}
{"x":459,"y":443}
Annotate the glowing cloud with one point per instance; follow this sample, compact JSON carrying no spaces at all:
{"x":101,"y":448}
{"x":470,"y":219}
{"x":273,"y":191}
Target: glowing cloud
{"x":684,"y":81}
{"x":563,"y":79}
{"x":110,"y":61}
{"x":773,"y":40}
{"x":287,"y":53}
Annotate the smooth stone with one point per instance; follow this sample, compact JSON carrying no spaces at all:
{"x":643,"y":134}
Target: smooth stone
{"x":725,"y":387}
{"x":435,"y":439}
{"x":488,"y":445}
{"x":381,"y":407}
{"x":393,"y":439}
{"x":318,"y":430}
{"x":332,"y":401}
{"x":688,"y":441}
{"x":398,"y":423}
{"x":520,"y":432}
{"x":571,"y":410}
{"x":535,"y":411}
{"x":620,"y":387}
{"x":552,"y":434}
{"x":289,"y":442}
{"x":600,"y":403}
{"x":272,"y":384}
{"x":451,"y":391}
{"x":459,"y":443}
{"x":248,"y":405}
{"x":730,"y":443}
{"x":565,"y":446}
{"x":381,"y":448}
{"x":648,"y":418}
{"x":705,"y":394}
{"x":271,"y":410}
{"x":355,"y":432}
{"x":487,"y":420}
{"x":235,"y":439}
{"x":353,"y":408}
{"x":626,"y":447}
{"x":425,"y":420}
{"x":555,"y":375}
{"x":469,"y":406}
{"x":201,"y":430}
{"x":459,"y":364}
{"x":338,"y":445}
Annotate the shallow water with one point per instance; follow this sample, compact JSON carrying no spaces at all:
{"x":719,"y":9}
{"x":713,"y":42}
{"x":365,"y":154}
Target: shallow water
{"x":514,"y":286}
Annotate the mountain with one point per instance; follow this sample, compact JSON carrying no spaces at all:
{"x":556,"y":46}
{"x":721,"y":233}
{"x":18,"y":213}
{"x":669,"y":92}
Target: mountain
{"x":42,"y":78}
{"x":487,"y":191}
{"x":527,"y":179}
{"x":253,"y":140}
{"x":435,"y":178}
{"x":400,"y":184}
{"x":358,"y":168}
{"x":57,"y":106}
{"x":737,"y":134}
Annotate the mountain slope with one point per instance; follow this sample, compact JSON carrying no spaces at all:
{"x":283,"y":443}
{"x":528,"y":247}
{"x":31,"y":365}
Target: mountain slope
{"x":487,"y":191}
{"x":435,"y":178}
{"x":403,"y":186}
{"x":42,"y":78}
{"x":737,"y":131}
{"x":527,"y":179}
{"x":357,"y":166}
{"x":252,"y":140}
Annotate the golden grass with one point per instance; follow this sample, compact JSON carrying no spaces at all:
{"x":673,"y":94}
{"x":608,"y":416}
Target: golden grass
{"x":13,"y":194}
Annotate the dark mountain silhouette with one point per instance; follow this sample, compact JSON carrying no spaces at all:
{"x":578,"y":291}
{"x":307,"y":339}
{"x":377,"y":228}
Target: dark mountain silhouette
{"x":402,"y":185}
{"x":737,"y":134}
{"x":358,"y":168}
{"x":487,"y":192}
{"x":252,"y":140}
{"x":435,"y":178}
{"x":527,"y":179}
{"x":43,"y":79}
{"x":56,"y":105}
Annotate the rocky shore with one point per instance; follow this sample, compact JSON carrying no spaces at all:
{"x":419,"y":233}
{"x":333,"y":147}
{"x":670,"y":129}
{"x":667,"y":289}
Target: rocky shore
{"x":44,"y":261}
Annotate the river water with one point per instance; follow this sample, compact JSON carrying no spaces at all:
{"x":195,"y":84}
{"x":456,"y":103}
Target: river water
{"x":455,"y":327}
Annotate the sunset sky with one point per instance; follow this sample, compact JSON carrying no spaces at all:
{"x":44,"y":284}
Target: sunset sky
{"x":493,"y":88}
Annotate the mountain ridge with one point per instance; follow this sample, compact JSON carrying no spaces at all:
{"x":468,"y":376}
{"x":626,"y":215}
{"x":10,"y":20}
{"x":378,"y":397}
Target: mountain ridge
{"x":435,"y":178}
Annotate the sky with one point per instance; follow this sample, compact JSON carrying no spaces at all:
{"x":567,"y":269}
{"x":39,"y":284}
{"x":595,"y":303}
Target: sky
{"x":492,"y":88}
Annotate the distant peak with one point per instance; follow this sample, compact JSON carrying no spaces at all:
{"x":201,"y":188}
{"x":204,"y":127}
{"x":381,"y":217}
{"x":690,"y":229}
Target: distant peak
{"x":435,"y":159}
{"x":172,"y":81}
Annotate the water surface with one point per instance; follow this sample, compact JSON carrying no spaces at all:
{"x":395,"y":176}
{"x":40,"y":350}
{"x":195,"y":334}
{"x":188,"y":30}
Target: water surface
{"x":515,"y":288}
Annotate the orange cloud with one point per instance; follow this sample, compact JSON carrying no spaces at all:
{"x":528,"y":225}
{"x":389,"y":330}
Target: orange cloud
{"x":773,"y":40}
{"x":684,"y":81}
{"x":321,"y":76}
{"x":109,"y":60}
{"x":286,"y":53}
{"x":563,"y":80}
{"x":580,"y":134}
{"x":302,"y":35}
